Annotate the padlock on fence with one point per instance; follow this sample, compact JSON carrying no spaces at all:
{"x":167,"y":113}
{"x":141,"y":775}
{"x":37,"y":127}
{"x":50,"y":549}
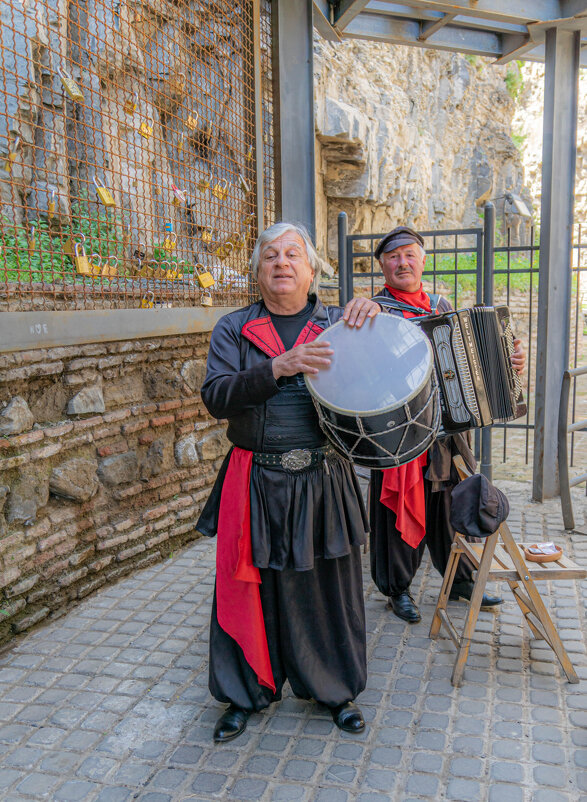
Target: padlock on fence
{"x":140,"y":252}
{"x":70,"y":243}
{"x":148,"y":300}
{"x":244,"y":184}
{"x":220,"y":189}
{"x":70,"y":86}
{"x":179,"y":198}
{"x":51,"y":205}
{"x":170,"y":241}
{"x":80,"y":260}
{"x":177,"y":83}
{"x":12,"y":154}
{"x":206,"y":298}
{"x":205,"y":278}
{"x":191,"y":121}
{"x":103,"y":193}
{"x":110,"y":268}
{"x":146,"y":128}
{"x":204,"y":183}
{"x":207,"y":235}
{"x":130,"y":104}
{"x":31,"y":238}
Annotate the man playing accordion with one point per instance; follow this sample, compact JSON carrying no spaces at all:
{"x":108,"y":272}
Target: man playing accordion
{"x":410,"y":505}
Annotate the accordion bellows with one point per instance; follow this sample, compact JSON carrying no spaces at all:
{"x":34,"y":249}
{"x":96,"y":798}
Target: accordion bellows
{"x":472,"y":349}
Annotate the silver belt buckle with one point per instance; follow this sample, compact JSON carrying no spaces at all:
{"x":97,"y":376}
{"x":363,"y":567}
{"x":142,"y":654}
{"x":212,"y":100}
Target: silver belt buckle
{"x":297,"y":459}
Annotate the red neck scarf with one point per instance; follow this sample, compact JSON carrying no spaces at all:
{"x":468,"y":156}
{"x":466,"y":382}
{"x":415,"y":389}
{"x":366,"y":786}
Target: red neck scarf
{"x":402,"y":489}
{"x":418,"y":298}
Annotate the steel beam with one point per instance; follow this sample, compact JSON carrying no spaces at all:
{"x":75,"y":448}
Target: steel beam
{"x":516,"y":11}
{"x":556,"y":231}
{"x":347,"y":10}
{"x":293,"y":107}
{"x":381,"y":28}
{"x":428,"y":28}
{"x":321,"y":16}
{"x":24,"y":330}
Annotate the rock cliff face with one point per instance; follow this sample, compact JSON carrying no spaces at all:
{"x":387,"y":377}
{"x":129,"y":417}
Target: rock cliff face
{"x":527,"y":125}
{"x":408,"y":135}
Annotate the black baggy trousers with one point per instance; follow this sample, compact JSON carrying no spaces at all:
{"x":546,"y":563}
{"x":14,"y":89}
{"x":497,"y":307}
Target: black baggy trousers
{"x":315,"y":625}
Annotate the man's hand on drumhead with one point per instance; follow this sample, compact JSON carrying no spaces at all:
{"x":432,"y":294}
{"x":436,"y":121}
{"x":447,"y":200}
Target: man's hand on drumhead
{"x":518,"y":358}
{"x":358,"y":310}
{"x":307,"y":358}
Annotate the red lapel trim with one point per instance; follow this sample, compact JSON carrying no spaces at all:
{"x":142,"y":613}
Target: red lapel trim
{"x":261,"y":332}
{"x":308,"y":333}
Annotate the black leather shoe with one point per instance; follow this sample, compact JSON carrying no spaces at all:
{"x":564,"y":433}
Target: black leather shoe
{"x":231,"y":724}
{"x":348,"y":717}
{"x":405,"y":608}
{"x":462,"y":591}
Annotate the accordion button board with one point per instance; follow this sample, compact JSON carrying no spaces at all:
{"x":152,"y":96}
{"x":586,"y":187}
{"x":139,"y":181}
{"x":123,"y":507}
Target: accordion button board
{"x":477,"y":383}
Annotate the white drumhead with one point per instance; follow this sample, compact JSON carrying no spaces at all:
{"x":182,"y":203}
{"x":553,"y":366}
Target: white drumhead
{"x":378,"y":367}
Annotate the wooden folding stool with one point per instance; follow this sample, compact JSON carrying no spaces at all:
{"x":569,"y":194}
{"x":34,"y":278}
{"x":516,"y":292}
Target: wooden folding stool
{"x":499,"y":558}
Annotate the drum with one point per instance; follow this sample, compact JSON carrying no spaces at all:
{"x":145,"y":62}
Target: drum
{"x":378,"y":402}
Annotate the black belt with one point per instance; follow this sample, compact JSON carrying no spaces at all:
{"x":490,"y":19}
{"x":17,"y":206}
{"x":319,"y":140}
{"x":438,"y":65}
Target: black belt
{"x":298,"y":459}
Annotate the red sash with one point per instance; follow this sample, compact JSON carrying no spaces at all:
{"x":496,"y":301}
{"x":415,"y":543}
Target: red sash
{"x":402,"y":489}
{"x":238,"y":600}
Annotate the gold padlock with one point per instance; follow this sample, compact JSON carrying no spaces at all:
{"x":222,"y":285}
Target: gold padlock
{"x":220,"y":189}
{"x":31,"y":238}
{"x":80,"y":261}
{"x":170,"y":241}
{"x":205,"y":278}
{"x":51,"y":205}
{"x":180,"y":144}
{"x":130,"y":104}
{"x":204,"y":183}
{"x":103,"y":192}
{"x":146,"y":128}
{"x":192,"y":121}
{"x":206,"y":299}
{"x":70,"y":86}
{"x":207,"y":234}
{"x":250,"y":153}
{"x":110,"y":269}
{"x":95,"y":263}
{"x":70,"y":243}
{"x":148,"y":300}
{"x":244,"y":184}
{"x":177,"y":82}
{"x":12,"y":154}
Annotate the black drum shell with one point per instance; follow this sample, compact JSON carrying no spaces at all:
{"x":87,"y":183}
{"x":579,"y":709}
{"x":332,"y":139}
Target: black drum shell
{"x":388,"y":430}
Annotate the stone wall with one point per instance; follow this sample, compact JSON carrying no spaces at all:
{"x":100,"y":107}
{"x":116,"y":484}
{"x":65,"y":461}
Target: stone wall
{"x":410,"y":135}
{"x":106,"y":458}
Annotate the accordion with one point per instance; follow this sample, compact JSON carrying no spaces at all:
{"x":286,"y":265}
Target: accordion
{"x":477,"y":383}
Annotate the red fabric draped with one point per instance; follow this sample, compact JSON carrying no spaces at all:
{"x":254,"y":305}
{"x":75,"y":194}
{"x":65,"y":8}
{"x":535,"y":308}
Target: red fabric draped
{"x":238,"y":601}
{"x":402,"y":489}
{"x":418,"y":298}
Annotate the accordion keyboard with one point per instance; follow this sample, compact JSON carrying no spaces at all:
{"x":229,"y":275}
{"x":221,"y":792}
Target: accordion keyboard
{"x":452,"y":391}
{"x":464,"y":371}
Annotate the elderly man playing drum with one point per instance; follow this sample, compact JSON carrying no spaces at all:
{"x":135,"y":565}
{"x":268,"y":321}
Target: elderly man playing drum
{"x":288,"y":511}
{"x":410,"y":505}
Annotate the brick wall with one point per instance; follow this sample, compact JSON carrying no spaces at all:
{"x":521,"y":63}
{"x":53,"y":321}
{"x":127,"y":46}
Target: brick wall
{"x":106,"y":458}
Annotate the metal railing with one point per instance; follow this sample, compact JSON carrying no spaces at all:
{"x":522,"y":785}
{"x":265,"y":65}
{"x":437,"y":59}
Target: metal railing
{"x":564,"y":429}
{"x":134,"y":144}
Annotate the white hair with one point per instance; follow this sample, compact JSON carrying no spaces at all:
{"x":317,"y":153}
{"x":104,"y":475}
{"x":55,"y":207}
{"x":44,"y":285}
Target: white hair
{"x":278,"y":230}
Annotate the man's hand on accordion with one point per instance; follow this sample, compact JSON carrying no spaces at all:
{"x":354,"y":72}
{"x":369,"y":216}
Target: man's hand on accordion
{"x":518,"y":357}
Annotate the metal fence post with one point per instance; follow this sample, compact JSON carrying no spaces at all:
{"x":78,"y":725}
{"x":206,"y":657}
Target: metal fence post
{"x":488,"y":270}
{"x":343,"y":289}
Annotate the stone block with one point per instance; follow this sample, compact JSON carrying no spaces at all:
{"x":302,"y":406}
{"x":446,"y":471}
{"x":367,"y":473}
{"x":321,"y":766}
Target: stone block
{"x":49,"y":405}
{"x":87,"y":401}
{"x":154,"y":460}
{"x":161,"y":382}
{"x":119,"y":469}
{"x":16,"y":417}
{"x":27,"y":495}
{"x":213,"y":445}
{"x":124,"y":391}
{"x":193,"y":372}
{"x":75,"y":479}
{"x":186,"y":451}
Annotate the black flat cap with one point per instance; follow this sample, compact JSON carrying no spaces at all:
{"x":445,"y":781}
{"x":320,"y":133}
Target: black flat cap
{"x":477,"y":507}
{"x":402,"y":235}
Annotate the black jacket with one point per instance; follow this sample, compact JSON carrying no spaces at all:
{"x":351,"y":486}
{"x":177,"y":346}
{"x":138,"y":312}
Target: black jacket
{"x":240,"y":378}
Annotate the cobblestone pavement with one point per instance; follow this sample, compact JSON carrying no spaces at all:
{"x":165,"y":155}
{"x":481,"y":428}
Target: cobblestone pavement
{"x":110,"y":702}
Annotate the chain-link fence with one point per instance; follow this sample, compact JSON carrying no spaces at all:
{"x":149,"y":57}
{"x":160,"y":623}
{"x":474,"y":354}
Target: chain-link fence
{"x":129,"y":151}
